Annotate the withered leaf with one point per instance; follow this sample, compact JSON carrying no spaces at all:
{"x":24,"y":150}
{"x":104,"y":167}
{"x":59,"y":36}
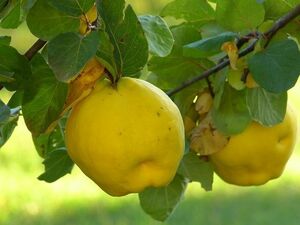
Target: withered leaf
{"x":206,"y":139}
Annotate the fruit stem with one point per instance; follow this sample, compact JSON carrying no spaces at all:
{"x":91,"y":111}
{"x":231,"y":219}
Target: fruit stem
{"x":109,"y":76}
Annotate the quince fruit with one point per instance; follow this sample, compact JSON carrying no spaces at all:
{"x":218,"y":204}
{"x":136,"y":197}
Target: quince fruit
{"x":126,"y":137}
{"x":258,"y":154}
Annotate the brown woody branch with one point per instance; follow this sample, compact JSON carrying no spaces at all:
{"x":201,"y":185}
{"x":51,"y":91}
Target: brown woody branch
{"x":34,"y":49}
{"x":279,"y":24}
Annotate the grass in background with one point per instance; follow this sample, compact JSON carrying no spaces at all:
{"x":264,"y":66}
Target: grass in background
{"x":75,"y":200}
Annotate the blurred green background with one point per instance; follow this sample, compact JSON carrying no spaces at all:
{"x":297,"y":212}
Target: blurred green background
{"x":75,"y":200}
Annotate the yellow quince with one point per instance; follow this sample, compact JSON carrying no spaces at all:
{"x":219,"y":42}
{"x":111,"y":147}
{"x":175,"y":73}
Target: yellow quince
{"x":258,"y":154}
{"x":126,"y":137}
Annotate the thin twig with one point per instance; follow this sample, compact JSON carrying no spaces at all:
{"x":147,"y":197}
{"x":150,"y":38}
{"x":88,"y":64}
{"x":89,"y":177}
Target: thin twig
{"x":34,"y":49}
{"x":210,"y":71}
{"x":205,"y":74}
{"x":210,"y":87}
{"x":279,"y":24}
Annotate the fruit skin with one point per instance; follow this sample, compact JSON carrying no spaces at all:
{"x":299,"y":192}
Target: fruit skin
{"x":257,"y":155}
{"x":126,"y":138}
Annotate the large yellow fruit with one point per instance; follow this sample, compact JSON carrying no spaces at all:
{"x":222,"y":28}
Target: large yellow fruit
{"x":126,"y":138}
{"x":257,"y":155}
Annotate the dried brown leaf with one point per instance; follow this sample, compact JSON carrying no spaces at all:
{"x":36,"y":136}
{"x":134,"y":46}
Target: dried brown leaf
{"x":189,"y":124}
{"x":81,"y":86}
{"x":206,"y":139}
{"x":84,"y":82}
{"x":204,"y":103}
{"x":233,"y":53}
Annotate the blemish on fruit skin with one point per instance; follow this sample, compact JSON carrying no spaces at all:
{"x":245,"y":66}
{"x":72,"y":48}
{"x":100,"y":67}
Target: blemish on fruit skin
{"x":120,"y":133}
{"x":158,"y":114}
{"x":170,"y":128}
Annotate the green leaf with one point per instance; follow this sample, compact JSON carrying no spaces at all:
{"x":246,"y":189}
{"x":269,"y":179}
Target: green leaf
{"x":8,"y":122}
{"x":239,"y":15}
{"x":71,"y":7}
{"x":235,"y":79}
{"x":232,"y":115}
{"x":27,"y":5}
{"x":158,"y":34}
{"x":208,"y":46}
{"x":276,"y":8}
{"x":4,"y":112}
{"x":6,"y":75}
{"x":3,"y":4}
{"x":52,"y":148}
{"x":174,"y":69}
{"x":126,"y":34}
{"x":57,"y":164}
{"x":185,"y":33}
{"x":5,"y":40}
{"x":44,"y":97}
{"x":14,"y":67}
{"x":196,"y":169}
{"x":7,"y":129}
{"x":45,"y":21}
{"x":168,"y":72}
{"x":190,"y":10}
{"x":212,"y":29}
{"x":159,"y":203}
{"x":16,"y":99}
{"x":49,"y":142}
{"x":13,"y":18}
{"x":105,"y":53}
{"x":265,"y":107}
{"x":69,"y":52}
{"x":219,"y":86}
{"x":277,"y":68}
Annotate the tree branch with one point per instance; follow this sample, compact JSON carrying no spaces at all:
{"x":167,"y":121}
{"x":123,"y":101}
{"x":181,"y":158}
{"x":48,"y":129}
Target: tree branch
{"x":210,"y":71}
{"x":279,"y":24}
{"x":34,"y":49}
{"x":210,"y":87}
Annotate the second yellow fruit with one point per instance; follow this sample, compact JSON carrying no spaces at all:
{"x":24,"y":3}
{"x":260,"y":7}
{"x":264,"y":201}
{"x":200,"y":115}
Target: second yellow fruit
{"x":257,"y":155}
